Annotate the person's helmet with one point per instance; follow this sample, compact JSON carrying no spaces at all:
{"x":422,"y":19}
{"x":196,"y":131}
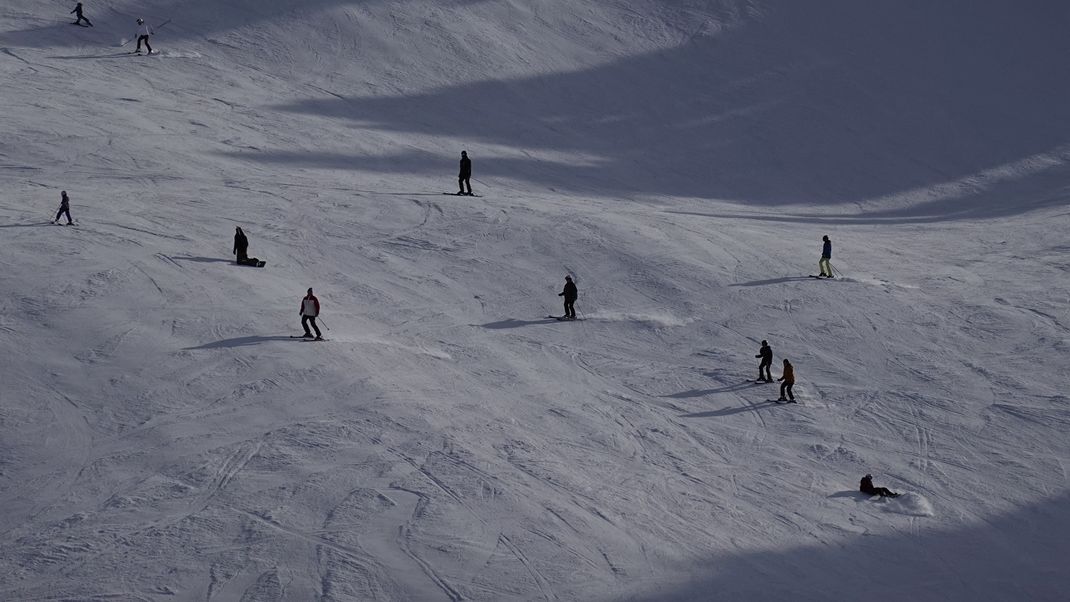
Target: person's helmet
{"x":140,"y":21}
{"x":568,"y":277}
{"x":765,"y":342}
{"x":464,"y":153}
{"x":869,"y":476}
{"x":825,"y":237}
{"x":310,"y":290}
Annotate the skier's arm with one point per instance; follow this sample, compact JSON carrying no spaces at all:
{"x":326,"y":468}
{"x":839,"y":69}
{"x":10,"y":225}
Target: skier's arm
{"x":72,"y":12}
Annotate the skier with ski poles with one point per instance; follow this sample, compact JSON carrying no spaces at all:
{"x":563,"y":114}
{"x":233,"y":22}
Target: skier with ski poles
{"x":570,"y":294}
{"x":788,"y":381}
{"x":465,"y":175}
{"x":310,"y":308}
{"x":826,"y":257}
{"x":78,"y":13}
{"x":64,"y":208}
{"x":143,"y":33}
{"x":766,"y":353}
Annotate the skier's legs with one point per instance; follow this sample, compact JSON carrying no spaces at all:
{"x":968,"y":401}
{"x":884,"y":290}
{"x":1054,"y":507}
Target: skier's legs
{"x":312,"y":319}
{"x":149,"y":48}
{"x":826,"y":269}
{"x":466,"y":182}
{"x":460,"y":185}
{"x":790,"y":395}
{"x":304,"y":324}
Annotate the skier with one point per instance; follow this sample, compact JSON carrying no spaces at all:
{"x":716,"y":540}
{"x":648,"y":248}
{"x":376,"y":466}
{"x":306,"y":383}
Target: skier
{"x":570,"y":294}
{"x":866,"y":487}
{"x":143,"y":33}
{"x":241,"y":245}
{"x":310,"y":308}
{"x":788,"y":379}
{"x":766,"y":353}
{"x":78,"y":13}
{"x":465,"y":175}
{"x":826,"y":255}
{"x":64,"y":208}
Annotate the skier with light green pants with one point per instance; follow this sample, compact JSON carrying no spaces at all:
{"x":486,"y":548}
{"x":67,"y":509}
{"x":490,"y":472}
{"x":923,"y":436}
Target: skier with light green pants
{"x":826,"y":256}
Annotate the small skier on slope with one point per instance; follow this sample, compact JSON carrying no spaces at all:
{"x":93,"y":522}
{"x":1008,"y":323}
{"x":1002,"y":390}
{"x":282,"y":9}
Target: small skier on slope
{"x":310,"y":308}
{"x":143,"y":33}
{"x":241,"y":245}
{"x":866,"y":486}
{"x":78,"y":13}
{"x":788,"y":381}
{"x":826,"y":256}
{"x":465,"y":175}
{"x":766,"y":353}
{"x":570,"y":294}
{"x":64,"y":208}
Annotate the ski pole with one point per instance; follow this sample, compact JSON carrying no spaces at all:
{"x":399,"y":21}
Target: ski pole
{"x":323,"y":324}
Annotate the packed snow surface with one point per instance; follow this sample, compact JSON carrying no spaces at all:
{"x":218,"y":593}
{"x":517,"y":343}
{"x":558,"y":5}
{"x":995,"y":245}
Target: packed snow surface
{"x":162,"y":436}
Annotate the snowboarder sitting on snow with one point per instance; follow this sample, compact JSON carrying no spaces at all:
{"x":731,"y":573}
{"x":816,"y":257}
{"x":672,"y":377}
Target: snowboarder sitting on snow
{"x":241,"y":245}
{"x":143,"y":33}
{"x":788,"y":379}
{"x":465,"y":175}
{"x":866,"y":487}
{"x":78,"y":13}
{"x":766,"y":353}
{"x":570,"y":294}
{"x":64,"y":208}
{"x":826,"y":255}
{"x":310,"y":308}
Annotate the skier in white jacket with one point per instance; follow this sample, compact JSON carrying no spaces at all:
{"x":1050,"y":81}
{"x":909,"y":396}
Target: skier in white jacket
{"x":143,"y":33}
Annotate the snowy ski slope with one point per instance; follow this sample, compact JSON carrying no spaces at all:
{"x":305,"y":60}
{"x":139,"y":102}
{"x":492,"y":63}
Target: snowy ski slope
{"x":163,"y":438}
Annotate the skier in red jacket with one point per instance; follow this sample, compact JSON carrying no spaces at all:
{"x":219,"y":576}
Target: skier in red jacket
{"x":310,"y":308}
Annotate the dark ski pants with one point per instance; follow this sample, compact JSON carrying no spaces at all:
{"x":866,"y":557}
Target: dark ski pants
{"x":146,"y":40}
{"x":66,"y":212}
{"x":306,"y":320}
{"x":786,"y":387}
{"x":766,"y":376}
{"x":570,"y":311}
{"x":883,"y":492}
{"x":80,"y":19}
{"x":461,"y":182}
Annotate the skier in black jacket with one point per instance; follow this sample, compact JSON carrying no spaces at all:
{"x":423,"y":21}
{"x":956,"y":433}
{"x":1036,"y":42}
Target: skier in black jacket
{"x":766,"y":353}
{"x":78,"y":13}
{"x":241,"y":245}
{"x":570,"y":294}
{"x":465,"y":175}
{"x":64,"y":208}
{"x":866,"y":486}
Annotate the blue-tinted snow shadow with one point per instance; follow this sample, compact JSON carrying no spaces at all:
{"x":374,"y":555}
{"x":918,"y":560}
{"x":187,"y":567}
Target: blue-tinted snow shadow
{"x":749,"y":407}
{"x":26,"y":225}
{"x":1019,"y":555}
{"x":513,"y":323}
{"x":703,"y":392}
{"x":240,"y":342}
{"x":200,"y":259}
{"x":826,"y":104}
{"x":771,"y":281}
